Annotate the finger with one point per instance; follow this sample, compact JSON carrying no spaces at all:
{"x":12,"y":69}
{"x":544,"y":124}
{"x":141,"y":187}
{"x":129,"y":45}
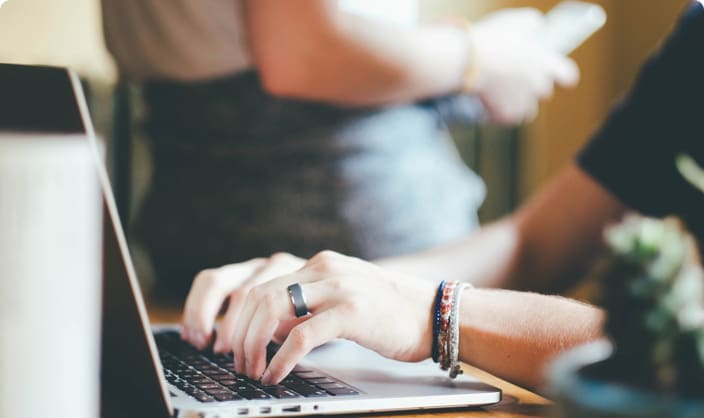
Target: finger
{"x":509,"y":113}
{"x":208,"y":293}
{"x":526,"y":20}
{"x":259,"y":333}
{"x":284,"y":328}
{"x":240,"y":329}
{"x":544,"y":88}
{"x":563,"y":70}
{"x":313,"y":332}
{"x":276,"y":265}
{"x":273,"y":294}
{"x":223,"y":340}
{"x":531,"y":111}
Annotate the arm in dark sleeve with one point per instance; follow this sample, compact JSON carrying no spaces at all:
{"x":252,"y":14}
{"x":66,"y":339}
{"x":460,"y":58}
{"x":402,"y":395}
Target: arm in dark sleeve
{"x":633,"y":154}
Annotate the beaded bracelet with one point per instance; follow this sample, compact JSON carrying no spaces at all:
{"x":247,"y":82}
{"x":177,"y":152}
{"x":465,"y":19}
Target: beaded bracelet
{"x":445,"y":310}
{"x":454,"y":349}
{"x":436,"y":320}
{"x":446,"y":334}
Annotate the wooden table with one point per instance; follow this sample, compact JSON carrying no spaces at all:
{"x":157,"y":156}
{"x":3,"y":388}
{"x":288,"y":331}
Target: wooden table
{"x":517,"y":402}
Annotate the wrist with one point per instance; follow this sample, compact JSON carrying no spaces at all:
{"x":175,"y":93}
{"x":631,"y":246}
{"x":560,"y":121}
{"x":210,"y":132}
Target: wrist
{"x":446,"y":332}
{"x":472,"y":62}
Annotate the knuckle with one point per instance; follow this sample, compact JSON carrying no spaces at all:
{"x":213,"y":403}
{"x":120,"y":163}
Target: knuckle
{"x":280,"y":257}
{"x":269,"y":302}
{"x":328,"y":254}
{"x":219,"y":279}
{"x":300,"y":338}
{"x":255,"y":292}
{"x":338,"y":285}
{"x":203,"y":276}
{"x":352,"y":308}
{"x":325,"y":260}
{"x":262,"y":296}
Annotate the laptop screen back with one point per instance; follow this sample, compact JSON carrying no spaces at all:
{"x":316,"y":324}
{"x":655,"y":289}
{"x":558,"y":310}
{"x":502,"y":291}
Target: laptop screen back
{"x":38,"y":99}
{"x":35,"y":99}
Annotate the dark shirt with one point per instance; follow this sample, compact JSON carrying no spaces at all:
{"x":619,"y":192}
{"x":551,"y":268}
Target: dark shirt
{"x":633,"y":154}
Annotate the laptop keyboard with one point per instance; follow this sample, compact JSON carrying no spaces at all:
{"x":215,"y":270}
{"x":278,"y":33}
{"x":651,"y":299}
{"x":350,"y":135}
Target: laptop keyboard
{"x":210,"y":377}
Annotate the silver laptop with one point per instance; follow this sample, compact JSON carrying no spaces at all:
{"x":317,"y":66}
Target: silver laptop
{"x":150,"y":372}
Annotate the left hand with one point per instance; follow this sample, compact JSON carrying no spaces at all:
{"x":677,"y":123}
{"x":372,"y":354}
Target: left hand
{"x":347,"y":298}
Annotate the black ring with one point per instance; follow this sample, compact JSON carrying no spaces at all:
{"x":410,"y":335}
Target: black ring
{"x":299,"y":302}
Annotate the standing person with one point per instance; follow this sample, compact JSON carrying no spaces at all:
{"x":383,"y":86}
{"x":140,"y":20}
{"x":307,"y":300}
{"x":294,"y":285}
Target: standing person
{"x":294,"y":125}
{"x":630,"y":164}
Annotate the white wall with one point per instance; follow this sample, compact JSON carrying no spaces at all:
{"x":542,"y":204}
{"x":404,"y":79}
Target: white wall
{"x":55,"y":32}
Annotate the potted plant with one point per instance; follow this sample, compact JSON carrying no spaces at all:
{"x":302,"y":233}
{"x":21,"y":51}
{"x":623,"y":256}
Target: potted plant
{"x":652,"y":289}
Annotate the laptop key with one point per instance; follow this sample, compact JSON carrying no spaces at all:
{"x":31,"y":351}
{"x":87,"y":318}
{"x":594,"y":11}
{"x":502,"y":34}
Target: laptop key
{"x":320,"y":380}
{"x":309,"y":375}
{"x":229,"y":396}
{"x":333,"y":385}
{"x":317,"y":394}
{"x":217,"y":391}
{"x":238,"y":387}
{"x":342,"y":391}
{"x":181,"y":384}
{"x":281,"y":392}
{"x":254,"y":394}
{"x":203,"y":397}
{"x":307,"y":390}
{"x":220,"y":376}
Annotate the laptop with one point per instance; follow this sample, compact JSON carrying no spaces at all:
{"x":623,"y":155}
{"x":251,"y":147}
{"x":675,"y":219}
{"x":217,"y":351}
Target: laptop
{"x":148,"y":371}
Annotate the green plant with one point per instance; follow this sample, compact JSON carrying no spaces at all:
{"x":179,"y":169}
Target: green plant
{"x":653,"y":292}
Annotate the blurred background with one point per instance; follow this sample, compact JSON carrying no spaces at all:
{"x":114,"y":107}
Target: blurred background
{"x":69,"y":33}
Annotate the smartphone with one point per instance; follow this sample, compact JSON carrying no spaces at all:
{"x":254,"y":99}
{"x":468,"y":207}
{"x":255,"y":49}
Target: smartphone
{"x":569,"y":24}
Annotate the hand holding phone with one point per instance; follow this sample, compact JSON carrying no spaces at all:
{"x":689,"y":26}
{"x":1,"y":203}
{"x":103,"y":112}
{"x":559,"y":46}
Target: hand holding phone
{"x":522,"y":52}
{"x":569,"y":24}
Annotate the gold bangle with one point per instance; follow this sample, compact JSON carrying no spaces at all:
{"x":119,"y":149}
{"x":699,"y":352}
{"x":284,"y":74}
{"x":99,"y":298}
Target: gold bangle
{"x":473,"y":64}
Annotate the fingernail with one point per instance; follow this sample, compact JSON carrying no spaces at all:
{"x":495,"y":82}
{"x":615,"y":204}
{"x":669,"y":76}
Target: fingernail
{"x":198,"y":340}
{"x":266,"y":377}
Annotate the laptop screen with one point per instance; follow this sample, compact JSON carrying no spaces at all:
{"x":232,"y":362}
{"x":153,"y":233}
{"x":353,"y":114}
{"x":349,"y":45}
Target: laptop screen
{"x":34,"y":99}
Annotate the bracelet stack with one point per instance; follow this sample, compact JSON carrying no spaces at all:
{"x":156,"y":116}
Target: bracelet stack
{"x":446,"y":326}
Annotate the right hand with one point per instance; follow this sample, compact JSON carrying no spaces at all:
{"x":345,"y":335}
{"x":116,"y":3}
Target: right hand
{"x":227,"y":286}
{"x":346,"y":298}
{"x":515,"y":70}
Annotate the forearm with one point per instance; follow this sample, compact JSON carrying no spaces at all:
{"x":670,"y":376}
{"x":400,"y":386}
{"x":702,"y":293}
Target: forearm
{"x":490,"y":257}
{"x":514,"y":335}
{"x":319,"y":52}
{"x":545,"y":246}
{"x":380,"y":64}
